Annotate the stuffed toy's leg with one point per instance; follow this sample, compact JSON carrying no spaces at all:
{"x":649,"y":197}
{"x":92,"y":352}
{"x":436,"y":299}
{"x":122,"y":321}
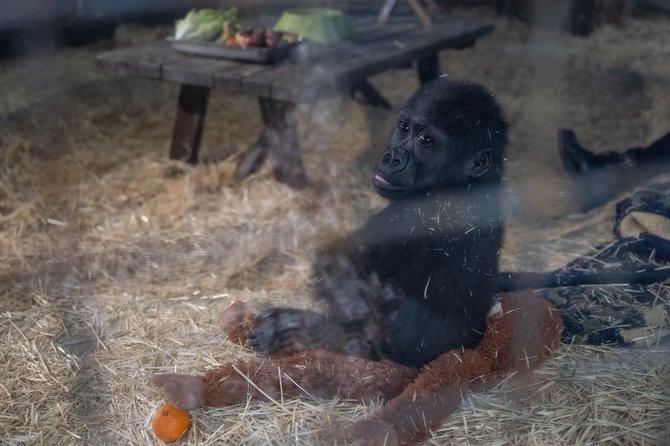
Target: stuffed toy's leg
{"x":309,"y":373}
{"x":303,"y":373}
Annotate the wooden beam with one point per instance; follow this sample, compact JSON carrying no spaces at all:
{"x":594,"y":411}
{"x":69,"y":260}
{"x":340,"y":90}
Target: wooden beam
{"x":420,"y":13}
{"x":417,"y":7}
{"x":385,"y":12}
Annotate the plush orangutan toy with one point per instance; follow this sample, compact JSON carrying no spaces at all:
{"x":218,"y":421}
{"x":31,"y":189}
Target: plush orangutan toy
{"x":403,"y":302}
{"x":522,"y":331}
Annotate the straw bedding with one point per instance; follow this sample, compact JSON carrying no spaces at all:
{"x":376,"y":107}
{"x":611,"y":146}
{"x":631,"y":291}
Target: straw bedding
{"x":115,"y":262}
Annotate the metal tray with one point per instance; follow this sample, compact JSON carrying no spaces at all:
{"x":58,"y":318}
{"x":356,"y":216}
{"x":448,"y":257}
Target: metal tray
{"x":217,"y":50}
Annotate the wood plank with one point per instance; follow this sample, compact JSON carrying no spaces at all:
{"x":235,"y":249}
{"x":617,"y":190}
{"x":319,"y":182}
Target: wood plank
{"x":120,"y":62}
{"x":196,"y":70}
{"x":360,"y":21}
{"x":144,"y":61}
{"x":233,"y":78}
{"x":378,"y":47}
{"x":424,"y":42}
{"x":324,"y":79}
{"x":259,"y":82}
{"x":402,"y":26}
{"x":367,"y":28}
{"x":380,"y":56}
{"x":302,"y":86}
{"x":338,"y":68}
{"x":281,"y":83}
{"x":379,"y":31}
{"x":365,"y":64}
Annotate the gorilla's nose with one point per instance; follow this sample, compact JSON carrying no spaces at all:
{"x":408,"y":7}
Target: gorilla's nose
{"x":395,"y":159}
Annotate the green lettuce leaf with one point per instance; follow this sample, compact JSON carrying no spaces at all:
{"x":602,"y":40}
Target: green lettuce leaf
{"x":203,"y":24}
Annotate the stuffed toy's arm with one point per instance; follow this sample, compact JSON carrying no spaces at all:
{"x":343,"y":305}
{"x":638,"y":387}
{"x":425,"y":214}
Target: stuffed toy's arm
{"x":517,"y":339}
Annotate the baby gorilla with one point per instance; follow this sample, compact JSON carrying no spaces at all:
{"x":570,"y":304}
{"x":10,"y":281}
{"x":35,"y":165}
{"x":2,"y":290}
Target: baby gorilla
{"x":417,"y":279}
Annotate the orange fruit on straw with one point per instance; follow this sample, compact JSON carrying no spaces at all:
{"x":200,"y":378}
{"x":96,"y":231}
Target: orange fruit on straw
{"x":170,"y":423}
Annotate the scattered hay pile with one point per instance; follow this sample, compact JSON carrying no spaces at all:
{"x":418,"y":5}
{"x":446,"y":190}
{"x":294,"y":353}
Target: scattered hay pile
{"x":78,"y":374}
{"x":100,"y":234}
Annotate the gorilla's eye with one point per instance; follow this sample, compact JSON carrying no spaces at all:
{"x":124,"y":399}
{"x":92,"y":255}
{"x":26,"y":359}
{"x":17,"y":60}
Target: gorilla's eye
{"x":403,"y":126}
{"x":425,"y":140}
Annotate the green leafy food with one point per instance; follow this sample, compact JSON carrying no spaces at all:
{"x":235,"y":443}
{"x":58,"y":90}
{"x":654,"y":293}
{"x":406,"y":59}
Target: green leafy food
{"x":323,"y":25}
{"x":204,"y":24}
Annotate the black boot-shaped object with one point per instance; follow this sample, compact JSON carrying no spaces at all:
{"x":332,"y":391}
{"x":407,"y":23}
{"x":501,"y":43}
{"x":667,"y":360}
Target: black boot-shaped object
{"x":577,"y":159}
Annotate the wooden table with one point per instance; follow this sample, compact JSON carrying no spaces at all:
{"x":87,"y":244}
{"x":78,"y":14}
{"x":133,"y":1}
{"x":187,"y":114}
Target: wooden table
{"x":377,"y":47}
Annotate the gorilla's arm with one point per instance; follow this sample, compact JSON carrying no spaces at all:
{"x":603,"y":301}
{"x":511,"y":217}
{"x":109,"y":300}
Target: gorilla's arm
{"x":355,"y":309}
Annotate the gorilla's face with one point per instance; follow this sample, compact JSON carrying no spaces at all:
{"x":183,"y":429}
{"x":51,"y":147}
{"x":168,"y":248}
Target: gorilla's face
{"x":417,"y":158}
{"x":442,"y":140}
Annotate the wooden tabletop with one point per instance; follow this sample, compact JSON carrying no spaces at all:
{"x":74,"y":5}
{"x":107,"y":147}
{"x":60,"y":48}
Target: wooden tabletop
{"x":376,"y":48}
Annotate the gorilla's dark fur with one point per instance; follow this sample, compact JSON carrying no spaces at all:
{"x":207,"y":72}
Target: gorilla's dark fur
{"x":418,"y":278}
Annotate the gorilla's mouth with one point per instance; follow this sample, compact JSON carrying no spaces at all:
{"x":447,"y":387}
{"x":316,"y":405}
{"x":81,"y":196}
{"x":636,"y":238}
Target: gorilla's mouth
{"x":381,"y":182}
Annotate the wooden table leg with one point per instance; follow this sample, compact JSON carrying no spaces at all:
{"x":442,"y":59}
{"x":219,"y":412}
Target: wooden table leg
{"x":188,"y":124}
{"x":429,"y":68}
{"x":582,"y":17}
{"x":369,"y":94}
{"x":279,"y":142}
{"x":253,"y":158}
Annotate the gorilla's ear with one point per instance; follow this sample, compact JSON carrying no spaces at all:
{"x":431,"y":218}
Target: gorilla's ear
{"x":480,"y":164}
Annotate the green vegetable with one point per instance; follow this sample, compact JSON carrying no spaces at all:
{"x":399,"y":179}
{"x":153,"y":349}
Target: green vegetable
{"x":322,"y":25}
{"x":203,"y":24}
